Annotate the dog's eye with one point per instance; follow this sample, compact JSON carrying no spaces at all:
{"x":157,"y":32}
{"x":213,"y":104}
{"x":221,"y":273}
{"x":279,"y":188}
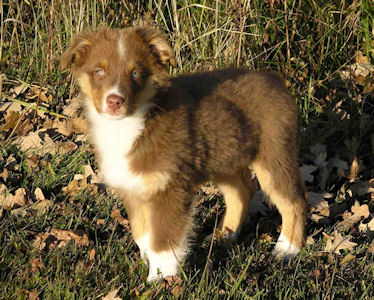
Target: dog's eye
{"x":136,"y":75}
{"x":100,"y":72}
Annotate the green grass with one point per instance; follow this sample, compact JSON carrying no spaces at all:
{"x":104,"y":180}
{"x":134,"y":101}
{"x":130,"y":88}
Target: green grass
{"x":309,"y":42}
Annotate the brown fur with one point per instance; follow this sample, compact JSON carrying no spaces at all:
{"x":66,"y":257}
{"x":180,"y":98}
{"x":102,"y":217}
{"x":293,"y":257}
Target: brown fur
{"x":207,"y":126}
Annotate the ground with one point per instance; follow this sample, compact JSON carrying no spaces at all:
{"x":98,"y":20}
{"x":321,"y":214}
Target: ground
{"x":65,"y":235}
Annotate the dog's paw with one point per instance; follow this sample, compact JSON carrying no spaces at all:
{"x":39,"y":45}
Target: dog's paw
{"x":161,"y":265}
{"x":284,"y":249}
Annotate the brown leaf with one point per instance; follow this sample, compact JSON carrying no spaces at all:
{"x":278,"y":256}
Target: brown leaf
{"x":39,"y":194}
{"x":36,"y":264}
{"x":82,"y":267}
{"x":33,"y":163}
{"x":349,"y":219}
{"x":117,"y":217}
{"x":10,"y":106}
{"x":367,"y":228}
{"x":61,"y":126}
{"x":5,"y":174}
{"x":19,"y":89}
{"x":306,"y":171}
{"x":347,"y":258}
{"x":9,"y":201}
{"x":354,"y":170}
{"x":338,"y":242}
{"x":58,"y":238}
{"x":72,"y":188}
{"x":11,"y":120}
{"x":35,"y":142}
{"x":11,"y":163}
{"x":66,"y":147}
{"x":34,"y":295}
{"x":79,"y":125}
{"x":361,"y":188}
{"x":112,"y":295}
{"x":91,"y":254}
{"x":72,"y":109}
{"x":210,"y":190}
{"x":317,"y":201}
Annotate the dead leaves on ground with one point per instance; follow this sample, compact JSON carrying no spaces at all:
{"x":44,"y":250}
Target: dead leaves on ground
{"x":89,"y":180}
{"x":20,"y":203}
{"x":57,"y":238}
{"x":44,"y":134}
{"x":338,"y":242}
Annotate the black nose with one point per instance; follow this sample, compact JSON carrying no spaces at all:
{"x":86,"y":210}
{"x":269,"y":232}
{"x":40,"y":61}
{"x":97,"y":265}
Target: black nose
{"x":114,"y":102}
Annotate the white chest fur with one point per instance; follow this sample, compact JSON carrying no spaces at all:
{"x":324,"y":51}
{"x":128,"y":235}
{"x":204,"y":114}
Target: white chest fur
{"x":113,"y":140}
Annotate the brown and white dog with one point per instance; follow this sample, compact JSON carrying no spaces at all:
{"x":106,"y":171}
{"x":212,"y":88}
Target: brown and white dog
{"x":158,"y":137}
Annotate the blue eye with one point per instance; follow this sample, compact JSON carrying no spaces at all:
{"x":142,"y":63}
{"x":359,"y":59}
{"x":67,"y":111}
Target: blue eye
{"x":135,"y":75}
{"x":100,"y":72}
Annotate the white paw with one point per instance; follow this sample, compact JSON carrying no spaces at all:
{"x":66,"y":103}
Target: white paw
{"x":284,"y":249}
{"x":162,"y":264}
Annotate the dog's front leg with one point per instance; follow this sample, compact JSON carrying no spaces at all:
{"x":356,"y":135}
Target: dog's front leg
{"x":160,"y":228}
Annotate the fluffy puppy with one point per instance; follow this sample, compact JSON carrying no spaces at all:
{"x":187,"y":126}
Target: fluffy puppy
{"x":158,"y":137}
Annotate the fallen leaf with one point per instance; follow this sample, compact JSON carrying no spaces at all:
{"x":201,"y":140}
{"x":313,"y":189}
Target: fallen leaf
{"x":36,"y":264}
{"x":112,"y":295}
{"x":58,"y":238}
{"x":306,"y":171}
{"x":35,"y":142}
{"x":79,"y":125}
{"x":5,"y":174}
{"x":317,"y":201}
{"x":117,"y":217}
{"x":82,"y":267}
{"x":33,"y":163}
{"x":11,"y":163}
{"x":10,"y":106}
{"x":72,"y":188}
{"x":34,"y":295}
{"x":358,"y":212}
{"x":367,"y":228}
{"x":347,"y":258}
{"x":338,"y":163}
{"x":91,"y":254}
{"x":210,"y":190}
{"x":354,"y":170}
{"x":19,"y":89}
{"x":39,"y":194}
{"x":338,"y":242}
{"x":9,"y":201}
{"x":310,"y":240}
{"x":11,"y":120}
{"x":361,"y":188}
{"x":72,"y":109}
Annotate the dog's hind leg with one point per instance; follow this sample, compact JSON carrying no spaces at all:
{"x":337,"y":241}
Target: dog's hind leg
{"x":237,"y":191}
{"x":279,"y":177}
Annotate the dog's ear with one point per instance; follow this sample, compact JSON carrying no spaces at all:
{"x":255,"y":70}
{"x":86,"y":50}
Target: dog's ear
{"x":78,"y":50}
{"x":158,"y":45}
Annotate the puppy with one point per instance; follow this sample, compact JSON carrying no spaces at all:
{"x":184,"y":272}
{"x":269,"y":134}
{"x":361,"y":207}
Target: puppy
{"x":157,"y":138}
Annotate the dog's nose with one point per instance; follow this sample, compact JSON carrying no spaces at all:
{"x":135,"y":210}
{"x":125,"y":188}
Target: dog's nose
{"x":114,"y":101}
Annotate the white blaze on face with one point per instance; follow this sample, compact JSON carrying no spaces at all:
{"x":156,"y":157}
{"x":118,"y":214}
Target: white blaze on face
{"x":121,"y":48}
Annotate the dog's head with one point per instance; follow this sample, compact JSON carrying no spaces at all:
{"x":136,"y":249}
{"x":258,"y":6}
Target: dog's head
{"x":119,"y":70}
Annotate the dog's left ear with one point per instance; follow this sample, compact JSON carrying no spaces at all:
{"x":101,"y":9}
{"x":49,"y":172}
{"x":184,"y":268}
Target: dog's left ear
{"x":158,"y":45}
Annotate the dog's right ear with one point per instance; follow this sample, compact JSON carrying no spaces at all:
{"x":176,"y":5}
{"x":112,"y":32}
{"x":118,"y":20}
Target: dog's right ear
{"x":78,"y":50}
